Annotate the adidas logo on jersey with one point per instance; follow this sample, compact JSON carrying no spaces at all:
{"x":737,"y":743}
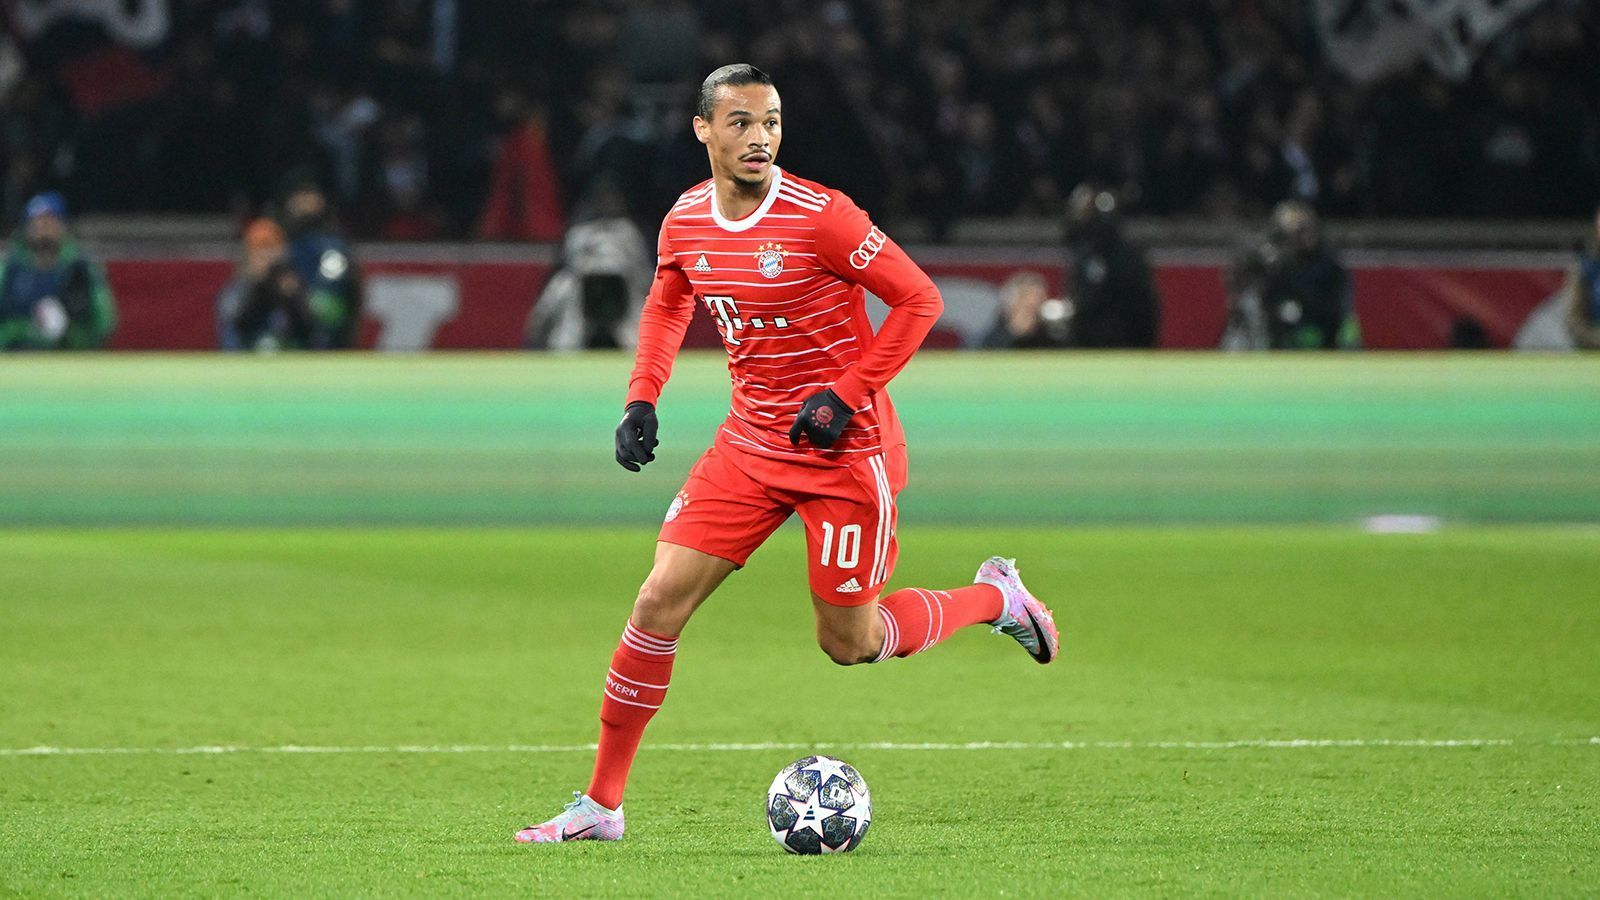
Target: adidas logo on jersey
{"x":849,"y":587}
{"x":701,"y":265}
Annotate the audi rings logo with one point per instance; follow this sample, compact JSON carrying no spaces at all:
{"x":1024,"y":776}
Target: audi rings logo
{"x":870,"y":245}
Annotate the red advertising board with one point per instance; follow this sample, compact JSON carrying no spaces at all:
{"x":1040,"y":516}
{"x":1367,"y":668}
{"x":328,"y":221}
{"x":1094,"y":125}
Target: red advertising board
{"x":483,"y":294}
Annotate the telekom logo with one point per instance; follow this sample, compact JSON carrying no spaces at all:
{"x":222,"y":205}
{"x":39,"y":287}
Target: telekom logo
{"x":870,"y":245}
{"x":727,"y":313}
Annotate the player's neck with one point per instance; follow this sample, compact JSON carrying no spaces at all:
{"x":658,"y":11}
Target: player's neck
{"x":736,"y":199}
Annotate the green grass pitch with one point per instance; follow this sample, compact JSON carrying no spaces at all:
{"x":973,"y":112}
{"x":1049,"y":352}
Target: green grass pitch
{"x":1274,"y":703}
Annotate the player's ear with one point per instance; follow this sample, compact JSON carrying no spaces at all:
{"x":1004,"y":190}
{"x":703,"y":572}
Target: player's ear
{"x":702,"y":129}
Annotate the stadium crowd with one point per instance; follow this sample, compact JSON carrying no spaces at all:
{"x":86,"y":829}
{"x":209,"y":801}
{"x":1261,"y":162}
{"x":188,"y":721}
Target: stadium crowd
{"x":442,"y":118}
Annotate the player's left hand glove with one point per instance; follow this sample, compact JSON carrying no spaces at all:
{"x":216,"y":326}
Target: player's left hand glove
{"x":822,"y":419}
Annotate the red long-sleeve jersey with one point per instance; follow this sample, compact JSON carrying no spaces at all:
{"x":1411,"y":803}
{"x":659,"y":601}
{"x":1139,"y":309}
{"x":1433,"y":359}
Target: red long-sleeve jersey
{"x":787,"y":285}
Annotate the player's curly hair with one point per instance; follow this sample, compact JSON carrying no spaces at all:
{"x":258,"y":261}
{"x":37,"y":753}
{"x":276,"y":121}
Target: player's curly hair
{"x":737,"y":75}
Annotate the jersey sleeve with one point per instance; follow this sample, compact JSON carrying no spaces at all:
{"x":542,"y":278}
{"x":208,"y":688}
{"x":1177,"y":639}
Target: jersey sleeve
{"x":851,"y":247}
{"x":667,"y":311}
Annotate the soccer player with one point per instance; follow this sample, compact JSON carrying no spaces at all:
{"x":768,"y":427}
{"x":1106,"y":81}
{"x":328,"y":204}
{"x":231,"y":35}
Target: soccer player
{"x":782,"y":264}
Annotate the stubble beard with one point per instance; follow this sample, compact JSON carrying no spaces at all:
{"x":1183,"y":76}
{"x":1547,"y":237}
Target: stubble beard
{"x":751,"y":185}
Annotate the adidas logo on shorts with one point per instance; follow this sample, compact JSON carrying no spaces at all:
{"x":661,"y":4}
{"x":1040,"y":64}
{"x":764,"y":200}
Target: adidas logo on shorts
{"x":702,"y":265}
{"x":849,"y":587}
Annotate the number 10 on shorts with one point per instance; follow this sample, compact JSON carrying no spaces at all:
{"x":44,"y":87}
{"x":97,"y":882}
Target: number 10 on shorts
{"x":849,"y":546}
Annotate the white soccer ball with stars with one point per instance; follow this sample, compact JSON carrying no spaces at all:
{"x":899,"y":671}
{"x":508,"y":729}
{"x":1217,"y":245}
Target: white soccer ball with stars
{"x":819,"y":805}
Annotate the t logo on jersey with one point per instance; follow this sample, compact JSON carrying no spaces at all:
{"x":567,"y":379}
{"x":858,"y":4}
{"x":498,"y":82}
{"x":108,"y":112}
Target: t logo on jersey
{"x":727,"y":313}
{"x":728,"y":319}
{"x":869,"y":247}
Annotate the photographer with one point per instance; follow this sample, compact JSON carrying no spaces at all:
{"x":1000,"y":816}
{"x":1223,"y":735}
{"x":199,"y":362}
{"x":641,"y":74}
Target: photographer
{"x":1029,"y":318}
{"x":51,"y":296}
{"x":322,"y":260}
{"x":592,"y":300}
{"x":1583,"y":295}
{"x":264,"y":306}
{"x":1289,"y":291}
{"x":1114,"y":301}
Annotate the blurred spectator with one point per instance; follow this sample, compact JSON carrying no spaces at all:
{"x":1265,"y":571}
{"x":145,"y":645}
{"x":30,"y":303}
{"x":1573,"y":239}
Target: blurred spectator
{"x":52,"y":296}
{"x":1583,"y":294}
{"x":524,"y":198}
{"x":341,"y":116}
{"x":1113,"y":297}
{"x":1289,"y":291}
{"x":592,"y":300}
{"x":405,"y":213}
{"x":31,"y":126}
{"x":984,"y":182}
{"x":1029,"y":319}
{"x":935,"y":110}
{"x":658,"y":40}
{"x":264,"y":306}
{"x":322,"y":261}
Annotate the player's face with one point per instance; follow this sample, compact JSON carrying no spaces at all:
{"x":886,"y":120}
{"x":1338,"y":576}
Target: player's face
{"x":744,"y":132}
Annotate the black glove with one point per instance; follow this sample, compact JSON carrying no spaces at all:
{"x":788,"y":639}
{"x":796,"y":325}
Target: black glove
{"x":821,"y":419}
{"x":636,"y":436}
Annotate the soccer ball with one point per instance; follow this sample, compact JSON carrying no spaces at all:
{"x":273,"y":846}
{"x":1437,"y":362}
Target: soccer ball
{"x":819,"y":805}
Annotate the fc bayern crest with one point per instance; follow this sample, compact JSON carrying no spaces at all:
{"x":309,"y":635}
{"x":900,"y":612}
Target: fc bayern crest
{"x":677,"y":505}
{"x":769,"y":260}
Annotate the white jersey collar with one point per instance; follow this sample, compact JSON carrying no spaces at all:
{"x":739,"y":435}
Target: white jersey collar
{"x":750,"y":220}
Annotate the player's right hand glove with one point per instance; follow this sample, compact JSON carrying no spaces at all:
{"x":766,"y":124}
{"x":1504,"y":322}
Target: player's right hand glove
{"x":636,"y":436}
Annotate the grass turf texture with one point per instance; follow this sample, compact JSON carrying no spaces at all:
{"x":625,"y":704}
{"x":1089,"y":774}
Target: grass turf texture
{"x":172,"y":638}
{"x":1000,"y":439}
{"x":175,"y":637}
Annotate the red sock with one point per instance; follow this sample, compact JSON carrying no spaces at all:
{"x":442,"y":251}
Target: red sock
{"x":637,"y":683}
{"x":915,"y":619}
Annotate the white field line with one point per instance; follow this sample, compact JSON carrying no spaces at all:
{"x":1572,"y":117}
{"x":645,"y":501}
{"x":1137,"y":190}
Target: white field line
{"x":1243,"y":744}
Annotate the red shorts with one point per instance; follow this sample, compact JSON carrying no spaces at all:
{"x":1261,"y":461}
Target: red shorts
{"x":733,"y":501}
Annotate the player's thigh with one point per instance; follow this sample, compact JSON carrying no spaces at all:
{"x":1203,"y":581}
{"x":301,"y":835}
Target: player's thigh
{"x":679,"y":581}
{"x":851,"y":546}
{"x":712,"y":526}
